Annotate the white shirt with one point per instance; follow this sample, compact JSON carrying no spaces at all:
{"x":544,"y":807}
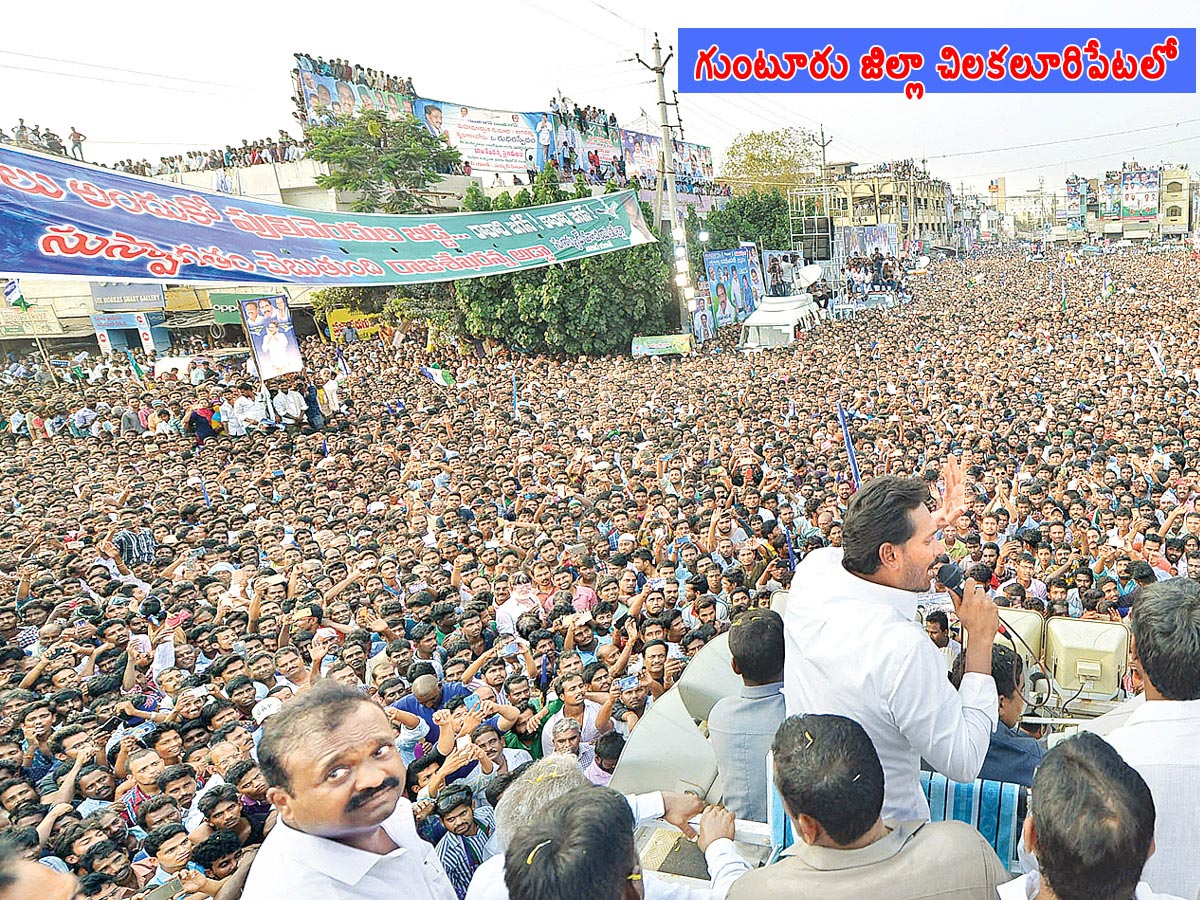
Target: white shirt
{"x":289,"y":406}
{"x":250,"y":410}
{"x":512,"y":609}
{"x":854,"y":648}
{"x":587,"y":736}
{"x":1027,"y":886}
{"x":1160,"y":740}
{"x":332,"y":398}
{"x":233,"y":425}
{"x":299,"y":866}
{"x":724,"y":865}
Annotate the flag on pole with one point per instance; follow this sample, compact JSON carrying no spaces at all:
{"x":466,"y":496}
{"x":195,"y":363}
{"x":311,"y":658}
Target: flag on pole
{"x":343,"y":366}
{"x":13,"y":295}
{"x":787,"y":536}
{"x":1064,"y":295}
{"x":138,"y":372}
{"x":1156,"y":356}
{"x":438,"y":375}
{"x":1108,"y":285}
{"x":841,"y":413}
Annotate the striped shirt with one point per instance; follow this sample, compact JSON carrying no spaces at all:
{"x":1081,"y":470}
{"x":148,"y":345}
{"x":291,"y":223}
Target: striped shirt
{"x":461,"y":856}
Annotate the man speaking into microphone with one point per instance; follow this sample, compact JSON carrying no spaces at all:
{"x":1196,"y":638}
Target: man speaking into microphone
{"x":854,"y":646}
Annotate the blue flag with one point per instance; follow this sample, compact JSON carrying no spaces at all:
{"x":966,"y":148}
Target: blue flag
{"x":841,"y":413}
{"x":342,"y":365}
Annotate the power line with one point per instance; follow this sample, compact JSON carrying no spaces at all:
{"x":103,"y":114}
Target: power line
{"x":616,"y":15}
{"x":1068,"y":162}
{"x":86,"y":77}
{"x":588,"y":31}
{"x":1090,"y":137}
{"x":88,"y":65}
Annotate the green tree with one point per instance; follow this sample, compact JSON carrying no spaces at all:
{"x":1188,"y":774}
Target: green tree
{"x":591,"y":306}
{"x":389,"y":164}
{"x":779,"y":158}
{"x":762,"y":218}
{"x":475,"y":200}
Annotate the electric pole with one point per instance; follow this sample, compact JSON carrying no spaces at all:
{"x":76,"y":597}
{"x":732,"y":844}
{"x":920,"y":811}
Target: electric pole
{"x":835,"y":258}
{"x":667,"y":167}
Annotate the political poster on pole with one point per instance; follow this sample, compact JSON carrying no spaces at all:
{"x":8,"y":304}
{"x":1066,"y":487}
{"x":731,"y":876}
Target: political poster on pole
{"x":271,"y":336}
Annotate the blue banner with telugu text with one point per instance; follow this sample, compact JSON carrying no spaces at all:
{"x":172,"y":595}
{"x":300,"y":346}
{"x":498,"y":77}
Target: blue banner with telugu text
{"x":62,"y":218}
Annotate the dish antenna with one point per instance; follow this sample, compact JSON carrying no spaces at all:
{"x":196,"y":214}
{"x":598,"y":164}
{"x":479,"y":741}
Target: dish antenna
{"x":809,"y":275}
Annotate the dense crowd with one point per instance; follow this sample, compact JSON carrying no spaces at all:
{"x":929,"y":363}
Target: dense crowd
{"x":354,"y":74}
{"x":377,"y":559}
{"x":876,"y":272}
{"x":282,"y":148}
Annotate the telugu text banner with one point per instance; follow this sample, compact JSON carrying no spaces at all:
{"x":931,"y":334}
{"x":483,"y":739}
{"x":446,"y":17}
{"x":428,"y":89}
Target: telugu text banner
{"x":67,"y":219}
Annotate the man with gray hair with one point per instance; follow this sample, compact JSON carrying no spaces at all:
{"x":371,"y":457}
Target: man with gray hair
{"x":558,"y":774}
{"x":566,"y":735}
{"x":1160,"y":737}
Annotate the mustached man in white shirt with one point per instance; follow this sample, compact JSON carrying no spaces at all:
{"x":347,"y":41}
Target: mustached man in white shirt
{"x":1091,"y":826}
{"x":854,"y":647}
{"x":1161,"y":736}
{"x":345,"y":830}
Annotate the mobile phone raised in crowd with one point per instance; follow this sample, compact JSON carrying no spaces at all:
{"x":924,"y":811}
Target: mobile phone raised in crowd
{"x":165,"y":891}
{"x":472,"y":702}
{"x":511,"y":649}
{"x":628,"y":683}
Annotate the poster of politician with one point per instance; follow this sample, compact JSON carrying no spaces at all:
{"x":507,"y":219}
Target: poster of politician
{"x":734,"y":283}
{"x":272,"y":336}
{"x":492,"y":140}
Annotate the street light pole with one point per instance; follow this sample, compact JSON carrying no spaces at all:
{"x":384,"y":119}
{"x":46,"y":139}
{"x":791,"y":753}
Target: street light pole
{"x":667,"y":173}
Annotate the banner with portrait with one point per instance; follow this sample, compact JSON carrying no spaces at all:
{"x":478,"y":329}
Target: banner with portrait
{"x":271,"y":335}
{"x":1110,"y":200}
{"x":864,"y":240}
{"x":1139,"y":194}
{"x":326,"y":98}
{"x":692,"y":160}
{"x":492,"y":140}
{"x":641,"y":155}
{"x":734,"y":284}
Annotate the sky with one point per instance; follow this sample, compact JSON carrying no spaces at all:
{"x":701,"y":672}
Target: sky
{"x":143,"y":80}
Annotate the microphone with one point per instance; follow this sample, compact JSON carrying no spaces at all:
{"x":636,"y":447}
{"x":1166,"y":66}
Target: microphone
{"x":951,"y":577}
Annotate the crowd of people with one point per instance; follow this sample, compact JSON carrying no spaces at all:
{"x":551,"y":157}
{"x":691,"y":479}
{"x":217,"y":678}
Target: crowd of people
{"x":259,"y":641}
{"x":566,"y":113}
{"x":35,"y":137}
{"x":281,"y":148}
{"x":876,"y":272}
{"x":353,"y":73}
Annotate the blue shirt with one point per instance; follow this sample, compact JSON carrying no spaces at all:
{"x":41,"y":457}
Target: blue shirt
{"x":741,"y":730}
{"x":410,"y":704}
{"x":1012,"y":756}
